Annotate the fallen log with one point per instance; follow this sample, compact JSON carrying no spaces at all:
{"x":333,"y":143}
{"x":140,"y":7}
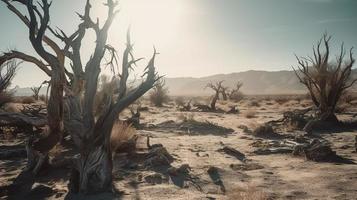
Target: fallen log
{"x":233,"y":152}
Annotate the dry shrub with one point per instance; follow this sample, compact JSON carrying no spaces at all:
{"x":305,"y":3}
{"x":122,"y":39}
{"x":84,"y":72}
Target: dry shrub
{"x":254,"y":103}
{"x":248,"y":193}
{"x":11,"y":107}
{"x":159,"y":94}
{"x":180,"y":101}
{"x":263,"y":130}
{"x":236,"y":96}
{"x":121,"y":133}
{"x":5,"y":97}
{"x":42,"y":98}
{"x":282,"y":100}
{"x":28,"y":100}
{"x":250,"y":114}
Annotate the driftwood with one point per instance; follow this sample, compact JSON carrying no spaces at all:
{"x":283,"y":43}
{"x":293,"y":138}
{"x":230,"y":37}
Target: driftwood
{"x":233,"y":152}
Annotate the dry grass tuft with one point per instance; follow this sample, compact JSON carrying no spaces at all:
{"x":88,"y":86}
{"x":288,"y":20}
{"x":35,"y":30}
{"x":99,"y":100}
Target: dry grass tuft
{"x":121,"y":133}
{"x":249,"y":193}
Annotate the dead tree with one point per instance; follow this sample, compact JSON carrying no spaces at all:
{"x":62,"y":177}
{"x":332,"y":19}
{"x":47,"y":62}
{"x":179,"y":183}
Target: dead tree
{"x":224,"y":92}
{"x":159,"y":94}
{"x":218,"y":89}
{"x":53,"y":66}
{"x":235,"y":94}
{"x":74,"y":112}
{"x":326,"y":80}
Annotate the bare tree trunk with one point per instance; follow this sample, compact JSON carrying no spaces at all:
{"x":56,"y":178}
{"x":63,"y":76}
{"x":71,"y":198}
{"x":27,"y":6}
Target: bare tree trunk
{"x":214,"y":101}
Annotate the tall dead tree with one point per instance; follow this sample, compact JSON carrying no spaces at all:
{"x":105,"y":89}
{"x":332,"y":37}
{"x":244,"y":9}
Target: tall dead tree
{"x":217,"y":87}
{"x":326,"y":80}
{"x":93,"y":168}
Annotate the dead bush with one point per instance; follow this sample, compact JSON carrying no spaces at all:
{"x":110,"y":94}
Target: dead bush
{"x":180,"y":101}
{"x":282,"y":100}
{"x":263,"y":130}
{"x":248,"y":193}
{"x":28,"y":100}
{"x":121,"y":133}
{"x":254,"y":103}
{"x":250,"y":114}
{"x":159,"y":94}
{"x":236,"y":96}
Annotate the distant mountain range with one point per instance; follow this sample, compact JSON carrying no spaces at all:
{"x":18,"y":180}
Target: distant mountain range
{"x":254,"y":82}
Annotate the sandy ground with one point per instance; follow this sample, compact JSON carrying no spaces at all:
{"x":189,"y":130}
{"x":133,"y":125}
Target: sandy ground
{"x":279,"y":176}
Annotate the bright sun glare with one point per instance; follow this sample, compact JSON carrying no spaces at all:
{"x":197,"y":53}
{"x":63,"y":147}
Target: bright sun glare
{"x":156,"y":21}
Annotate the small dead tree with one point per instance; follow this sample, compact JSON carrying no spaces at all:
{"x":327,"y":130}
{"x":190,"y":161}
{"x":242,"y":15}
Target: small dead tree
{"x":217,"y":87}
{"x":36,"y":90}
{"x":159,"y":94}
{"x":7,"y":73}
{"x":74,"y":112}
{"x":236,"y":94}
{"x":326,"y":80}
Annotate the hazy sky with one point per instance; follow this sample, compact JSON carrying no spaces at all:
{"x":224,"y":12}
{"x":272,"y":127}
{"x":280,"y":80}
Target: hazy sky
{"x":202,"y":37}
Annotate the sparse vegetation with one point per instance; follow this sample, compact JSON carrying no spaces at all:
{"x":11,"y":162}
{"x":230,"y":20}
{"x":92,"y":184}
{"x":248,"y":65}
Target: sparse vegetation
{"x":159,"y":94}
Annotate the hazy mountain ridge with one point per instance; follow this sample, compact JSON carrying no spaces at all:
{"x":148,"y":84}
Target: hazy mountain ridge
{"x":255,"y":82}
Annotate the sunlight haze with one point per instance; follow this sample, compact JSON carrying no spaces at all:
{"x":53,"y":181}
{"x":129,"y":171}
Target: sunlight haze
{"x":197,"y":38}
